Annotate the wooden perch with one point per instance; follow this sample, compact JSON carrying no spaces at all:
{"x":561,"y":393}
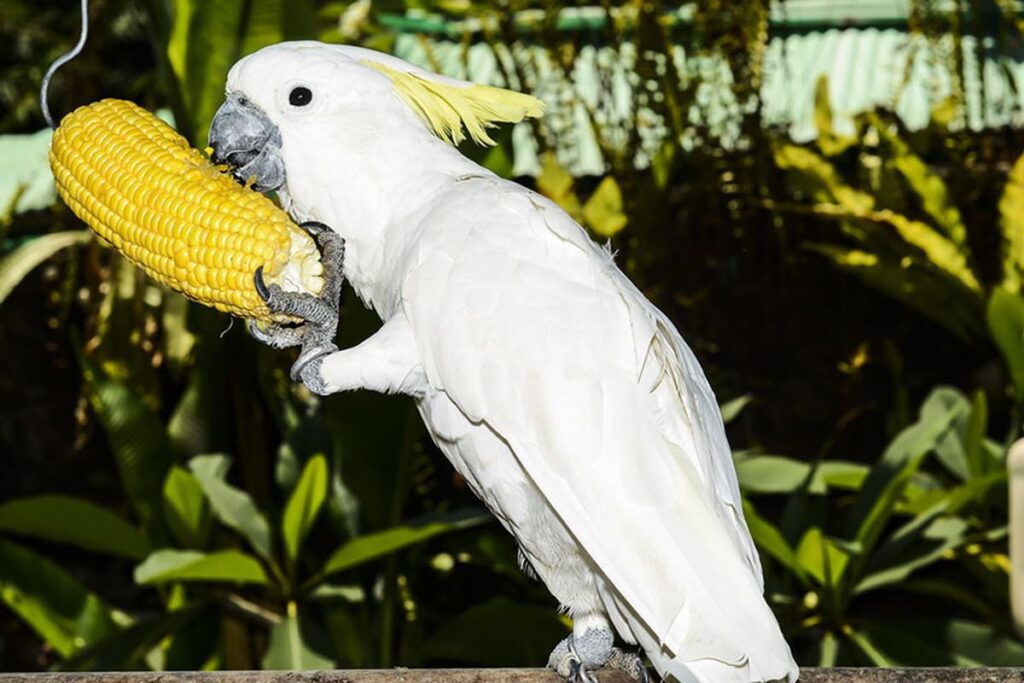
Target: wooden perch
{"x":949,"y":675}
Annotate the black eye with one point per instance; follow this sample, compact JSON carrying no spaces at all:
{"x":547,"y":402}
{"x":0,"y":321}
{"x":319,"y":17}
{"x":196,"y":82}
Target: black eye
{"x":300,"y":96}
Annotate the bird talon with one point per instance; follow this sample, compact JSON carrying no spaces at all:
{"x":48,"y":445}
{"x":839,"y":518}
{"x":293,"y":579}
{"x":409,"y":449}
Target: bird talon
{"x":261,"y":285}
{"x":306,"y":368}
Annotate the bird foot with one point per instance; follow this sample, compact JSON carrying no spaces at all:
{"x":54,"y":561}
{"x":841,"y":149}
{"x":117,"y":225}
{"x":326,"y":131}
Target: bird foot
{"x":576,"y":657}
{"x":318,"y":314}
{"x":629,"y":662}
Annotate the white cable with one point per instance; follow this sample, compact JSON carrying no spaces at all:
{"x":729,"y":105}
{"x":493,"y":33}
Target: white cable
{"x":61,"y":61}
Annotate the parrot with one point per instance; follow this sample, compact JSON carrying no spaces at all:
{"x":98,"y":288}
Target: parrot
{"x":566,"y":400}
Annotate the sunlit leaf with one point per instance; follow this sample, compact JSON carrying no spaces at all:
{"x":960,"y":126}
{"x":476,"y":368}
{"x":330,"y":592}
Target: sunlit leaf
{"x":53,"y":603}
{"x":1011,"y":222}
{"x":772,"y":474}
{"x":288,"y":649}
{"x":732,"y":409}
{"x":190,"y":565}
{"x":64,"y":519}
{"x":304,"y":505}
{"x":821,"y":557}
{"x":925,"y":183}
{"x":23,"y":260}
{"x":373,"y":546}
{"x":603,"y":212}
{"x":770,"y":540}
{"x":1006,"y":322}
{"x":185,"y":508}
{"x":933,"y":544}
{"x":232,"y":506}
{"x":556,"y":183}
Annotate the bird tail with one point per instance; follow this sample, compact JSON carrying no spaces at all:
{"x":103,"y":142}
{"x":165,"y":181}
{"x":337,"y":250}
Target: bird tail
{"x":769,"y":659}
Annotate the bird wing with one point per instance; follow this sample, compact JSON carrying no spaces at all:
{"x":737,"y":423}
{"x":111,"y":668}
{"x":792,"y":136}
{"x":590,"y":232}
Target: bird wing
{"x":531,"y":329}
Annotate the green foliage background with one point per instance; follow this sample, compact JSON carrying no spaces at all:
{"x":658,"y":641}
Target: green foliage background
{"x":170,"y":500}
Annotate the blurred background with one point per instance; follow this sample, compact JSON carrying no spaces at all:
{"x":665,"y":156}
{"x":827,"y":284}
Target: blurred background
{"x":825,"y":196}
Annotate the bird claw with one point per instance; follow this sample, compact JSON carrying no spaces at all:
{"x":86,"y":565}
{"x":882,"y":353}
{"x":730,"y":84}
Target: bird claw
{"x":629,"y":662}
{"x":318,"y":315}
{"x":577,"y":674}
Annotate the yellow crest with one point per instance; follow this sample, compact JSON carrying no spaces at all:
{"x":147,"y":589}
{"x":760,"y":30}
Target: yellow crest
{"x":447,"y":107}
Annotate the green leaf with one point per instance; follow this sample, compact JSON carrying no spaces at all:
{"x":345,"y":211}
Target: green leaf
{"x":63,"y":519}
{"x":770,"y":540}
{"x":190,"y":565}
{"x":127,"y":648}
{"x":821,"y":557}
{"x":837,"y":474}
{"x":212,"y":44}
{"x":138,"y":442}
{"x":23,"y":260}
{"x":53,"y":603}
{"x":185,"y":508}
{"x":820,"y":180}
{"x":828,"y":142}
{"x":864,"y":642}
{"x":902,"y":557}
{"x":556,"y":183}
{"x":304,"y":505}
{"x":288,"y":649}
{"x":233,"y":507}
{"x":1011,"y":222}
{"x":373,"y":546}
{"x":771,"y":474}
{"x":1006,"y":323}
{"x":911,"y":282}
{"x":944,"y":642}
{"x":974,"y":441}
{"x":603,"y":213}
{"x":925,"y":183}
{"x":731,"y":409}
{"x":498,"y":632}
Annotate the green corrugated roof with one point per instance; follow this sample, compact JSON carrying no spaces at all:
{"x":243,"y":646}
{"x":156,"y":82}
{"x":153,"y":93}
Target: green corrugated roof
{"x":865,"y":68}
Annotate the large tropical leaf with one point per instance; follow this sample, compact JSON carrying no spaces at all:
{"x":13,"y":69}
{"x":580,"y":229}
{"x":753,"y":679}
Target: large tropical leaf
{"x":232,"y":506}
{"x":304,"y":505}
{"x":64,"y":519}
{"x":373,"y":546}
{"x":54,"y":604}
{"x":231,"y":566}
{"x":1006,"y":322}
{"x":186,"y":511}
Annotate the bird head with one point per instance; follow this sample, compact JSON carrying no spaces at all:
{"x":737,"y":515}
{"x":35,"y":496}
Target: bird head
{"x":290,"y":100}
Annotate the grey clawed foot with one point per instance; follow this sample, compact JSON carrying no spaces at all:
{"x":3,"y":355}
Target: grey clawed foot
{"x":630,"y":662}
{"x":274,"y":335}
{"x":318,"y":314}
{"x":576,"y":657}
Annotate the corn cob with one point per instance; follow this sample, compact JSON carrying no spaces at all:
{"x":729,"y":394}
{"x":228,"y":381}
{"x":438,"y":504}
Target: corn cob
{"x":171,"y":212}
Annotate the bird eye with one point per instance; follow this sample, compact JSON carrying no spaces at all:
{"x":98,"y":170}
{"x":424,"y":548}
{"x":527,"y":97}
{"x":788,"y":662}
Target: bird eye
{"x":300,"y":96}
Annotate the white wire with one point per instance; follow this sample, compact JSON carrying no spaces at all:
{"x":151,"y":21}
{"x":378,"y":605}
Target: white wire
{"x":44,"y":89}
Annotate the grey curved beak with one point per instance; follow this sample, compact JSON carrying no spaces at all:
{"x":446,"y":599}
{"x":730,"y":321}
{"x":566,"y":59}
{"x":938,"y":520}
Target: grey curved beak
{"x":243,"y":137}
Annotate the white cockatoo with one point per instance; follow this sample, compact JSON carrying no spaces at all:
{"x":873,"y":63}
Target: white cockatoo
{"x":567,"y":401}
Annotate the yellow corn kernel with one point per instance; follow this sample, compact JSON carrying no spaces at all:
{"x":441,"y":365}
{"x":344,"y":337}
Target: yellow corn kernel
{"x":171,"y":212}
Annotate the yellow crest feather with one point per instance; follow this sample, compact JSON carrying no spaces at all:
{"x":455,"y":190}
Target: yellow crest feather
{"x":447,"y":107}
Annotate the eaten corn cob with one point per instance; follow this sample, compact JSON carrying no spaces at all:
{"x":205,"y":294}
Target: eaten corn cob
{"x":162,"y":204}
